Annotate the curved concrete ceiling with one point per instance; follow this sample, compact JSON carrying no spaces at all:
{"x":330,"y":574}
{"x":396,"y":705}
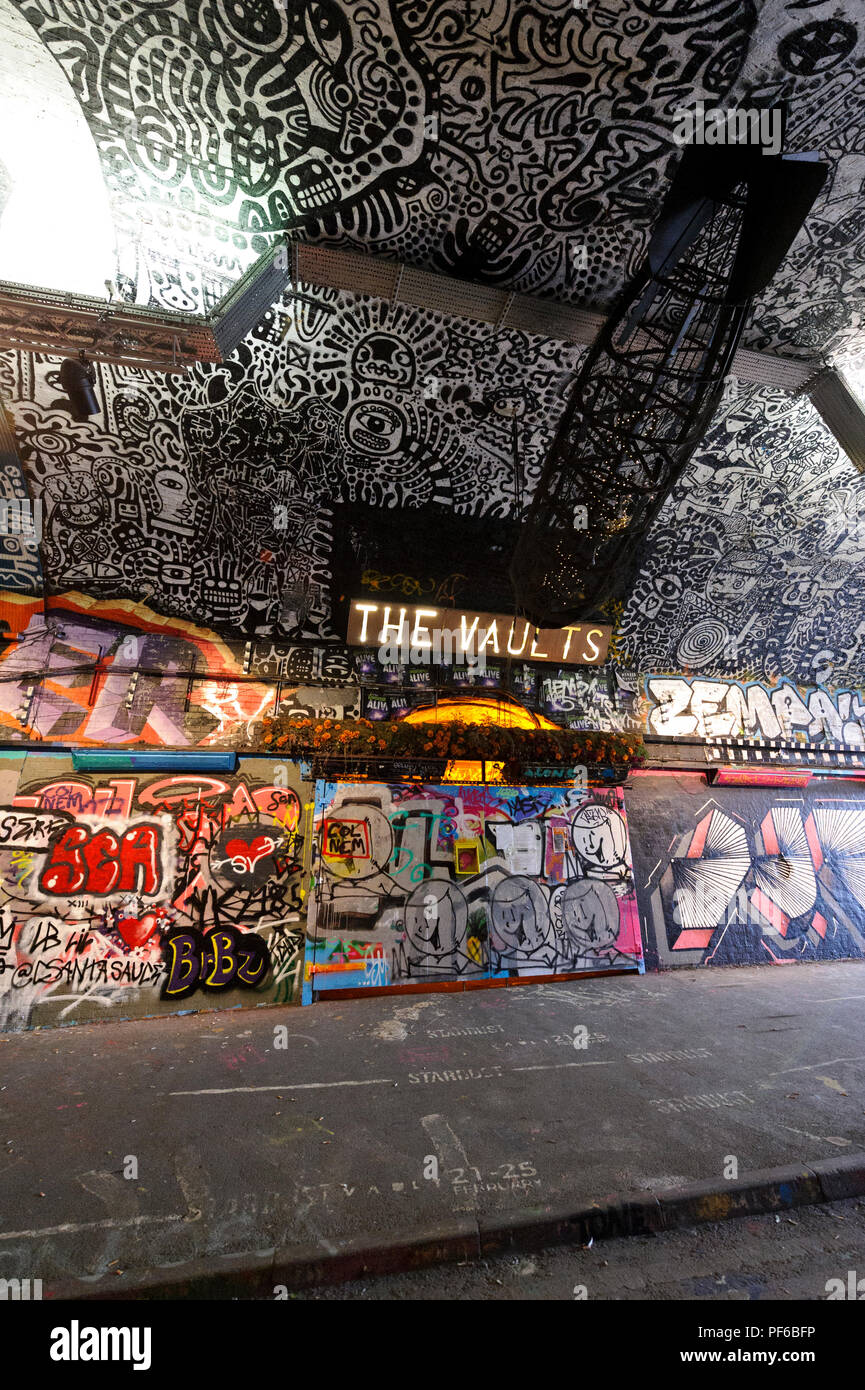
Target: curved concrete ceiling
{"x":525,"y":146}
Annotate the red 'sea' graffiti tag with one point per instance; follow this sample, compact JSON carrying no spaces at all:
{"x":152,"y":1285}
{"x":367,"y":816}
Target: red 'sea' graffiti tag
{"x":100,"y":862}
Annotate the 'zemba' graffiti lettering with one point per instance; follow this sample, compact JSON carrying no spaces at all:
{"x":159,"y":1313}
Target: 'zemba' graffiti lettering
{"x":715,"y":709}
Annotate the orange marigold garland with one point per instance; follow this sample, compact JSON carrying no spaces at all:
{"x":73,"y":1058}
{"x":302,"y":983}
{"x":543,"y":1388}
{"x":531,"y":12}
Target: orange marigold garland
{"x":359,"y":737}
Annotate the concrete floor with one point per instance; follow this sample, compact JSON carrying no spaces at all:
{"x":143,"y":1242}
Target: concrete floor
{"x":237,"y":1144}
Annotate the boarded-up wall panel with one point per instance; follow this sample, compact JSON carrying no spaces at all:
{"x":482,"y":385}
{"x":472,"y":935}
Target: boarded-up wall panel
{"x":747,"y":875}
{"x":426,"y":884}
{"x":130,"y":895}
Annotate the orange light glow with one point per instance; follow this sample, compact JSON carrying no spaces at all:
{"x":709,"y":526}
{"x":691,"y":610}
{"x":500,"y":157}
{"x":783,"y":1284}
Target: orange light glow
{"x":460,"y":770}
{"x":502,"y":713}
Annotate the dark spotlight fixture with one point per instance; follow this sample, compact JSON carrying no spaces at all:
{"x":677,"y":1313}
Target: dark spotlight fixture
{"x":78,"y":377}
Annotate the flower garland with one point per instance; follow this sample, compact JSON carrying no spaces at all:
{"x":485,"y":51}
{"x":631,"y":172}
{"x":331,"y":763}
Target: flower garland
{"x":353,"y":738}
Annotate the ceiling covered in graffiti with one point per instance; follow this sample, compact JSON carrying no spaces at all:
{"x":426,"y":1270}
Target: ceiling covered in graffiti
{"x":525,"y":146}
{"x":756,"y":564}
{"x":489,"y":139}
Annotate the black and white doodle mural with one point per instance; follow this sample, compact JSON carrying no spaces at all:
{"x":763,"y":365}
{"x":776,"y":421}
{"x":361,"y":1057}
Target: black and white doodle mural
{"x":810,"y":60}
{"x":754,"y":567}
{"x":490,"y":140}
{"x":756,"y":562}
{"x":209,"y":493}
{"x":522,"y":144}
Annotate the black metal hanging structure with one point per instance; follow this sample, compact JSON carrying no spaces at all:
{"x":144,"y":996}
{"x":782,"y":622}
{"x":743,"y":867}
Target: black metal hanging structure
{"x":650,"y":383}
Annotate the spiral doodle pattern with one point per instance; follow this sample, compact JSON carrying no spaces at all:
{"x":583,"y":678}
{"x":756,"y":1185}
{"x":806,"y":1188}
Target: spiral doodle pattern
{"x":702,"y":643}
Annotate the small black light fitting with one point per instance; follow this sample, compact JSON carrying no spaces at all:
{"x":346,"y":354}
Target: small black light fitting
{"x":78,"y":377}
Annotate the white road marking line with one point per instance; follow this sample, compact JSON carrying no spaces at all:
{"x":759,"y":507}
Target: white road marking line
{"x":378,"y":1081}
{"x":451,"y":1154}
{"x":814,"y":1065}
{"x":72,"y":1227}
{"x":822,"y":1138}
{"x":557,"y":1066}
{"x":286,"y":1086}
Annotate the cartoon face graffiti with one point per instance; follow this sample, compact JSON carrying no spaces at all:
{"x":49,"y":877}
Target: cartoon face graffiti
{"x":374,"y":427}
{"x":496,"y":920}
{"x":436,"y":916}
{"x":601,"y":840}
{"x":383,"y":359}
{"x":733,"y":577}
{"x":520,"y":920}
{"x":589,"y":916}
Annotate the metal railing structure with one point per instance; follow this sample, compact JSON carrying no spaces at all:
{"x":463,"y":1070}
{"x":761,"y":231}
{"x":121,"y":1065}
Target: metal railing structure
{"x":653,"y":378}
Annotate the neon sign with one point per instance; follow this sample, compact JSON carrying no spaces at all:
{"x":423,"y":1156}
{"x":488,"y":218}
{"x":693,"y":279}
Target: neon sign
{"x":455,"y":634}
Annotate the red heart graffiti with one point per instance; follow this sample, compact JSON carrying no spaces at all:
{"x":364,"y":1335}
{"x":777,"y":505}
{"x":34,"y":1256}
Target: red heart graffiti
{"x":137,"y":930}
{"x":244,"y":857}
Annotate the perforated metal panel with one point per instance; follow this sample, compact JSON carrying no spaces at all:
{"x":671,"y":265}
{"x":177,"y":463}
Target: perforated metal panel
{"x":242,"y":310}
{"x":566,"y":321}
{"x":166,"y":341}
{"x":764,"y":370}
{"x":455,"y":297}
{"x":401,"y":284}
{"x":842,"y":412}
{"x":347,"y":270}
